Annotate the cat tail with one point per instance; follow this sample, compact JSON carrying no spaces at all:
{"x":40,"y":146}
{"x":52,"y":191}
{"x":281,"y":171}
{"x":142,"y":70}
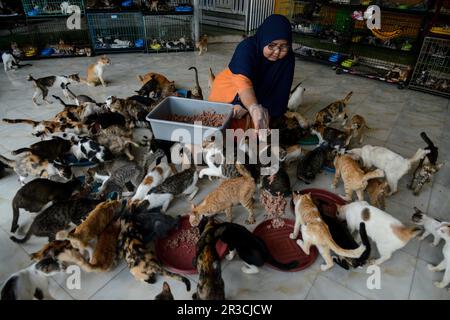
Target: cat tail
{"x":60,"y":100}
{"x":27,"y":121}
{"x":21,"y":150}
{"x":419,"y":155}
{"x":196,"y":76}
{"x":26,"y":238}
{"x":361,"y":261}
{"x":427,"y":140}
{"x":378,"y":173}
{"x":347,"y":97}
{"x":30,"y":78}
{"x":10,"y":163}
{"x":178,"y":277}
{"x":406,"y":233}
{"x":65,"y":86}
{"x":295,"y":88}
{"x":355,"y":253}
{"x":211,"y":78}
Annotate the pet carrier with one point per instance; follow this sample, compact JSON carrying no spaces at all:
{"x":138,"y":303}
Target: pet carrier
{"x":432,"y":70}
{"x":45,"y":8}
{"x":116,"y":32}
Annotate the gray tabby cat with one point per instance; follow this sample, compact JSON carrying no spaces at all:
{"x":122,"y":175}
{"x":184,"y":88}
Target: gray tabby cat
{"x":58,"y":217}
{"x":184,"y":182}
{"x":118,"y":180}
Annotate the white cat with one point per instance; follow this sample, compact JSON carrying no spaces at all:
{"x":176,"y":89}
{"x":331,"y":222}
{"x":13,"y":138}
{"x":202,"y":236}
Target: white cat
{"x":387,"y":232}
{"x":296,"y":98}
{"x":9,"y":61}
{"x":430,"y":224}
{"x":31,"y":283}
{"x":444,"y":232}
{"x":393,"y":164}
{"x":64,"y":6}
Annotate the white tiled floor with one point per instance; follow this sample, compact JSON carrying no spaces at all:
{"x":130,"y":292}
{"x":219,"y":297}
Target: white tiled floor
{"x":395,"y":116}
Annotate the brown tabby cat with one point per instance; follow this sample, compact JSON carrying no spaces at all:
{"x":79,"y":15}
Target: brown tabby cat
{"x":355,"y":180}
{"x":167,"y":87}
{"x":378,"y":189}
{"x":229,"y":193}
{"x":315,"y":232}
{"x":130,"y":109}
{"x":202,"y":44}
{"x":117,"y":139}
{"x":333,"y":112}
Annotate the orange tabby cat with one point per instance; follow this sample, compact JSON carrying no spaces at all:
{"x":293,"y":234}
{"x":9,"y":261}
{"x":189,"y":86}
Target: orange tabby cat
{"x":95,"y":72}
{"x":167,"y":87}
{"x":355,"y":180}
{"x":202,"y":44}
{"x":315,"y":232}
{"x":229,"y":193}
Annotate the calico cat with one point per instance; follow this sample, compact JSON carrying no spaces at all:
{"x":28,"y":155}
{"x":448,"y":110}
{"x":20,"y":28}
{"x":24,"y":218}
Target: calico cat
{"x":228,"y":194}
{"x":104,"y":255}
{"x":333,"y":112}
{"x":355,"y":180}
{"x":377,"y":189}
{"x":444,"y":233}
{"x":356,"y":129}
{"x":95,"y":72}
{"x":150,"y":88}
{"x":312,"y":163}
{"x":30,"y":165}
{"x":43,"y":84}
{"x":141,"y":261}
{"x":167,"y":87}
{"x":207,"y":262}
{"x":387,"y":232}
{"x":58,"y":217}
{"x":165,"y":294}
{"x":51,"y":250}
{"x":423,"y":176}
{"x":344,"y":239}
{"x":95,"y":223}
{"x":300,"y":119}
{"x":117,"y":139}
{"x":202,"y":44}
{"x":316,"y":232}
{"x":30,"y":283}
{"x":50,"y":150}
{"x":130,"y":109}
{"x":430,"y":225}
{"x":81,"y":112}
{"x":37,"y":193}
{"x":331,"y":136}
{"x":45,"y":127}
{"x":196,"y":92}
{"x":132,"y":173}
{"x":250,"y":248}
{"x":182,"y":183}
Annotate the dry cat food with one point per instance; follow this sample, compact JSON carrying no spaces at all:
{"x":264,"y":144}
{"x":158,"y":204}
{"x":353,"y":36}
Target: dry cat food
{"x":186,"y":239}
{"x":207,"y":118}
{"x":274,"y":206}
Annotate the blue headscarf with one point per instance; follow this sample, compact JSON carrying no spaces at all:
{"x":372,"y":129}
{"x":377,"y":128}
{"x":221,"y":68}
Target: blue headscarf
{"x":271,"y":81}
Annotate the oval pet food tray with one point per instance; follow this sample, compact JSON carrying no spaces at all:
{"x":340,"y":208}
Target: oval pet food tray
{"x":179,"y":259}
{"x":325,"y":201}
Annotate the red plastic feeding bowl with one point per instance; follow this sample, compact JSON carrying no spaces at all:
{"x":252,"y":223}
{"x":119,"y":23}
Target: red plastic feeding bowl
{"x":325,"y":201}
{"x":179,"y":259}
{"x":283,"y":248}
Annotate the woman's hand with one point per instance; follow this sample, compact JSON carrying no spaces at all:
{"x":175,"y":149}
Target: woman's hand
{"x":260,"y":116}
{"x":239,"y":111}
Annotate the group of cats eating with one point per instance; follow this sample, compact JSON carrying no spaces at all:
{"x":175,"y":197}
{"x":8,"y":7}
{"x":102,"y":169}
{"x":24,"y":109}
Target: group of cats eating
{"x":117,"y":208}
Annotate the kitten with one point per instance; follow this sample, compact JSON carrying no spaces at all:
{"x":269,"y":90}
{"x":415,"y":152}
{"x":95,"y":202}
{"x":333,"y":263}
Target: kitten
{"x":42,"y":85}
{"x":58,"y":217}
{"x":37,"y":193}
{"x":312,"y":163}
{"x":316,"y":232}
{"x":296,"y":98}
{"x":30,"y":283}
{"x":444,"y":233}
{"x":130,"y":109}
{"x":165,"y":294}
{"x":95,"y":72}
{"x":86,"y":149}
{"x":117,"y":140}
{"x":430,"y":225}
{"x":207,"y":262}
{"x":118,"y":179}
{"x":250,"y":248}
{"x":196,"y":92}
{"x":167,"y":87}
{"x":182,"y":183}
{"x":356,"y":129}
{"x":377,"y":189}
{"x":333,"y":112}
{"x":150,"y":89}
{"x":228,"y":194}
{"x":393,"y":165}
{"x":141,"y":261}
{"x":202,"y":44}
{"x":355,"y":180}
{"x":94,"y":224}
{"x":30,"y":165}
{"x":51,"y":150}
{"x":104,"y":255}
{"x":387,"y":232}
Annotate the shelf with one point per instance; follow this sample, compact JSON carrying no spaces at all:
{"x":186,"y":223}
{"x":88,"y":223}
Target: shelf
{"x":321,"y":39}
{"x":395,"y":10}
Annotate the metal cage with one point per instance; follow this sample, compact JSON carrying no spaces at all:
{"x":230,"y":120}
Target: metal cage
{"x":120,"y":31}
{"x":432,"y":70}
{"x":169,"y":32}
{"x":45,"y":8}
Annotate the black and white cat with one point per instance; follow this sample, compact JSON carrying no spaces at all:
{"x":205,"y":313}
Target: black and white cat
{"x":85,"y":148}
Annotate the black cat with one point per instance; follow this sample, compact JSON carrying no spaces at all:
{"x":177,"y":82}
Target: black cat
{"x":150,"y":87}
{"x":312,"y":163}
{"x":51,"y":150}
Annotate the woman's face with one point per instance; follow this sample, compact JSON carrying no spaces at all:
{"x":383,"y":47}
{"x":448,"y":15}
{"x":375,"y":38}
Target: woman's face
{"x":276,"y":50}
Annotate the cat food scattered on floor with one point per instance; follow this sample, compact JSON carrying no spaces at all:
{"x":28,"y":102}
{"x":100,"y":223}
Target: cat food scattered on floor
{"x":207,"y":118}
{"x":275,"y":207}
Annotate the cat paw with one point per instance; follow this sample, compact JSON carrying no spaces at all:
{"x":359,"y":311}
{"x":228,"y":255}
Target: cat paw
{"x":434,"y":244}
{"x":439,"y":284}
{"x":292,"y":236}
{"x":431,"y":267}
{"x":250,"y":221}
{"x":324,"y":267}
{"x":333,"y":186}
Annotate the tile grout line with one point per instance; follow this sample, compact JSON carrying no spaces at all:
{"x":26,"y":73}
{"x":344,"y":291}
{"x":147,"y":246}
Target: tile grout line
{"x":312,"y":285}
{"x":413,"y":278}
{"x":107,"y":282}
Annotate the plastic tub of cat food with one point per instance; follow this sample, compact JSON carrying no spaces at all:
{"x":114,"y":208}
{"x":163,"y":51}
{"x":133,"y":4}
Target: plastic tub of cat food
{"x":283,"y":248}
{"x":164,"y":129}
{"x":177,"y":250}
{"x":325,"y":201}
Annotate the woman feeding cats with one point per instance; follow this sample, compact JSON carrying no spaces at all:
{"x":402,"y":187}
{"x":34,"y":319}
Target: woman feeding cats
{"x":259,"y":77}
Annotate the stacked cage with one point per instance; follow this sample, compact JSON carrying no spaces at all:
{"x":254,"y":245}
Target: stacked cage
{"x":116,"y":32}
{"x":52,"y":8}
{"x":432,"y":70}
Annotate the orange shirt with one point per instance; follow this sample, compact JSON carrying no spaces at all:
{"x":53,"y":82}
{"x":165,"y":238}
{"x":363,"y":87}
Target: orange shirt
{"x":226,"y":85}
